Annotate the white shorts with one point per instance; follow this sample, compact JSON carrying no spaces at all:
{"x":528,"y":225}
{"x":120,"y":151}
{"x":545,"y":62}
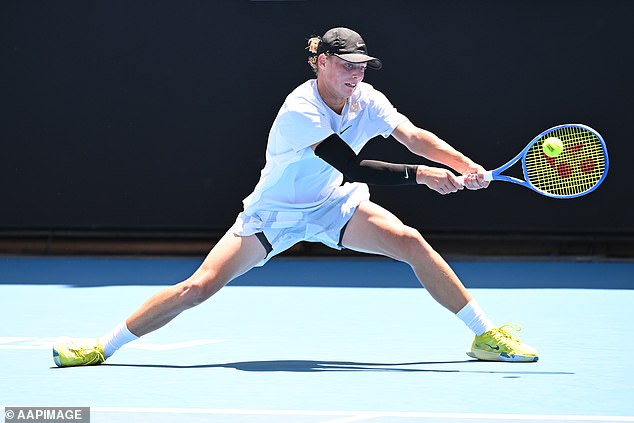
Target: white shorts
{"x":285,"y":228}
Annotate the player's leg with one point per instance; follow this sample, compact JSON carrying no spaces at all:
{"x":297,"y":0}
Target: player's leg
{"x":232,"y":256}
{"x":373,"y":229}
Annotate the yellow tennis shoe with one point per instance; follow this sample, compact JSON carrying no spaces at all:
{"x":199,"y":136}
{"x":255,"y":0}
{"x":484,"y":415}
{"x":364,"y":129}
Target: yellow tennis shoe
{"x":68,"y":352}
{"x":502,"y":344}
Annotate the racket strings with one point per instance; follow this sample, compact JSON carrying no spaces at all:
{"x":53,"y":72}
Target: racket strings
{"x":576,"y":170}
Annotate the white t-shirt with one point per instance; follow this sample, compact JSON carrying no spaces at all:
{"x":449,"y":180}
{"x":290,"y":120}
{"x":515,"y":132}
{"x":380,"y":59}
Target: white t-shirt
{"x":294,"y":178}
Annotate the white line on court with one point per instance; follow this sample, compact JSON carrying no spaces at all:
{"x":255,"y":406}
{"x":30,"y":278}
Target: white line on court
{"x":346,"y":416}
{"x":351,"y":419}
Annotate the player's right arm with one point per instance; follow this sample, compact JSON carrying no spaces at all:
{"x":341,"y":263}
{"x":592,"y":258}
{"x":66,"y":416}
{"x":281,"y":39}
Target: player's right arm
{"x":340,"y":155}
{"x":336,"y":152}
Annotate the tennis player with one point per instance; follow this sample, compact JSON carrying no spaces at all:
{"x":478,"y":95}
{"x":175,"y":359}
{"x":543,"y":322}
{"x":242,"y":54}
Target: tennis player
{"x":312,"y":146}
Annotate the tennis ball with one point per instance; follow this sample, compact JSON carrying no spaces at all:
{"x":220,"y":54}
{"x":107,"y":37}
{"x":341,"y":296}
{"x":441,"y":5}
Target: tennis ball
{"x":552,"y":147}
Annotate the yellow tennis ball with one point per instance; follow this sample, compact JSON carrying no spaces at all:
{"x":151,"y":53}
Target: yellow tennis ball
{"x":552,"y":147}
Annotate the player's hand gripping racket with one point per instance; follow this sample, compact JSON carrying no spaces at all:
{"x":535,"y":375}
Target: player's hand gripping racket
{"x":577,"y":170}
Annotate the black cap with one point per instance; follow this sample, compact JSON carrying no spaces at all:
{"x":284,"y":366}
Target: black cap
{"x":347,"y":45}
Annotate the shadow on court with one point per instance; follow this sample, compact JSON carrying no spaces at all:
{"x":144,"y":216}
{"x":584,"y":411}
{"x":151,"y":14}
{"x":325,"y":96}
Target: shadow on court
{"x":302,"y":366}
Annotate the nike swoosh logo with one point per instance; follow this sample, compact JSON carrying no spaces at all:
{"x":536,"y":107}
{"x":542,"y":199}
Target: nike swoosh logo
{"x":406,"y":173}
{"x":345,"y":129}
{"x":497,"y":347}
{"x":360,"y":44}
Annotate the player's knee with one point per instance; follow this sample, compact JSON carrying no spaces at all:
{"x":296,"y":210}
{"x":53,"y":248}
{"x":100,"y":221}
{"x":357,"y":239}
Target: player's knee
{"x":411,"y":243}
{"x":197,"y":289}
{"x":191,"y":294}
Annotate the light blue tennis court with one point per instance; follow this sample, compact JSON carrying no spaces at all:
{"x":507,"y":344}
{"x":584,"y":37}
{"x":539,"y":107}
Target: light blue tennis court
{"x":321,"y":340}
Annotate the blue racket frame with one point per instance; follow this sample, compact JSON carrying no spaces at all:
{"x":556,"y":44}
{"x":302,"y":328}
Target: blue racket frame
{"x":496,"y":174}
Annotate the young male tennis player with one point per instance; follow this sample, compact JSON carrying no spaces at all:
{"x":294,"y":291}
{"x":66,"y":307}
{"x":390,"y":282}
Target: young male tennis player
{"x":313,"y":144}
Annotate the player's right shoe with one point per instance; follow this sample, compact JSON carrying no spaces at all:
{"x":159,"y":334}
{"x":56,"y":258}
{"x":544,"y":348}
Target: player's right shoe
{"x":502,"y":344}
{"x":68,"y":352}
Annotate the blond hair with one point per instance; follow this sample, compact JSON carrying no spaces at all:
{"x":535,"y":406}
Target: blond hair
{"x":313,"y":47}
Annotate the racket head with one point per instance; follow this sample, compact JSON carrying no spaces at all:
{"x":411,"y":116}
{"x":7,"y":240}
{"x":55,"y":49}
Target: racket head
{"x":580,"y":168}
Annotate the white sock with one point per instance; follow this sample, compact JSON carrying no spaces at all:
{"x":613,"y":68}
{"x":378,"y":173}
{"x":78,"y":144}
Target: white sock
{"x":116,"y":338}
{"x":473,"y":316}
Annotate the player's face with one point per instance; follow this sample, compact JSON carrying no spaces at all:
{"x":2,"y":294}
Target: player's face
{"x":342,"y":77}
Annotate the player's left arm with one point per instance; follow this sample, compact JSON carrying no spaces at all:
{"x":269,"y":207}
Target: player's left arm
{"x":427,"y":144}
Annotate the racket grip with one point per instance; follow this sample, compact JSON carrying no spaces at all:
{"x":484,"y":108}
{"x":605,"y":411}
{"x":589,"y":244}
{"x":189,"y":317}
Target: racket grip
{"x":488,"y":176}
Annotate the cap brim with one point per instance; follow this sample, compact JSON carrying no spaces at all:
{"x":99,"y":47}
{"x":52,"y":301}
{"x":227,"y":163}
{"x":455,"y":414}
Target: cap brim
{"x":373,"y":62}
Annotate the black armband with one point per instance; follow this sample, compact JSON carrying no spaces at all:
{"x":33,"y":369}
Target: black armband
{"x":342,"y":157}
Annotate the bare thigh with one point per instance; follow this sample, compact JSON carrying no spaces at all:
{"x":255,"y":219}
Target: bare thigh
{"x":232,"y":256}
{"x":373,"y":229}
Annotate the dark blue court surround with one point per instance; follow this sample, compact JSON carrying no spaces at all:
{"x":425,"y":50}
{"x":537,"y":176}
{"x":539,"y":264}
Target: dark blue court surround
{"x":337,"y":272}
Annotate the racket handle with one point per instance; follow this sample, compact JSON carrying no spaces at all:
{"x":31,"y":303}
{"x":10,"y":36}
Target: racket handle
{"x":488,"y":176}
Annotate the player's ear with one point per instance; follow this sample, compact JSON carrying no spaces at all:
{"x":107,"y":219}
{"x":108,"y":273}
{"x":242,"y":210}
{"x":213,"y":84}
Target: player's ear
{"x":321,"y":60}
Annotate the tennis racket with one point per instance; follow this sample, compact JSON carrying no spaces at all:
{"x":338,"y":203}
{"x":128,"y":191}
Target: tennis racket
{"x":578,"y":170}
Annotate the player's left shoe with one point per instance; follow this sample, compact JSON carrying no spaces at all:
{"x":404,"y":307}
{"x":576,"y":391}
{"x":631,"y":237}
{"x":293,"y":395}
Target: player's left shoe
{"x":502,"y":344}
{"x":69,"y":352}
